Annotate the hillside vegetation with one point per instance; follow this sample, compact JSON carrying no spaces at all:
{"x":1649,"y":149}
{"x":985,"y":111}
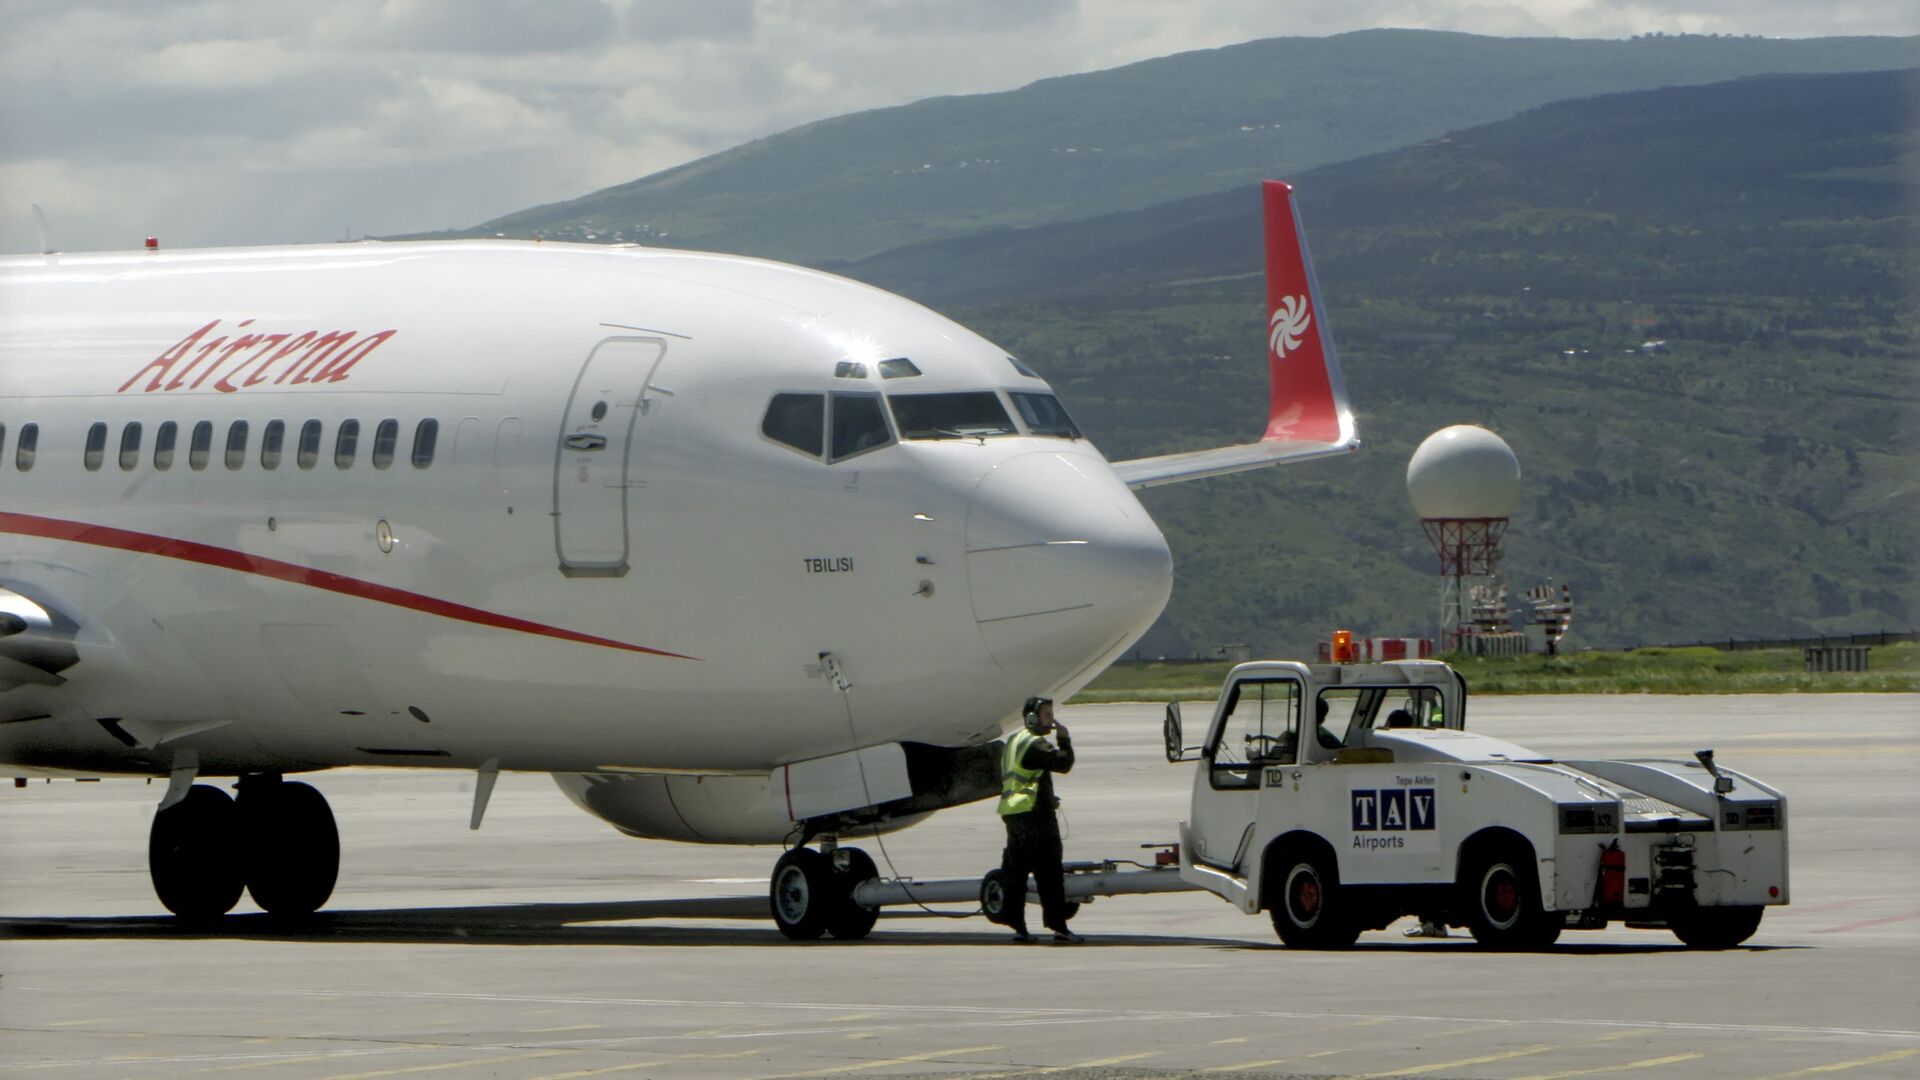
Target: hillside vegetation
{"x":1755,"y":474}
{"x":1074,"y":147}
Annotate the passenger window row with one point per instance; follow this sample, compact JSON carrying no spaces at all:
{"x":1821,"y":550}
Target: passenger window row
{"x":273,"y":438}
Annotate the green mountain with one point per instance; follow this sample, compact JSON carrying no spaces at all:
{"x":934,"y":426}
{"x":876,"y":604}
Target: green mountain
{"x":1078,"y":146}
{"x":1754,"y":474}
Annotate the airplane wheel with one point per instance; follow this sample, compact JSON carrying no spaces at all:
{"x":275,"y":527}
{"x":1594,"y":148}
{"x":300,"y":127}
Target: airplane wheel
{"x":850,"y":921}
{"x":802,"y":894}
{"x":993,"y":896}
{"x":1309,"y":911}
{"x":293,"y":846}
{"x":1503,"y":901}
{"x":1716,"y":928}
{"x":193,"y":854}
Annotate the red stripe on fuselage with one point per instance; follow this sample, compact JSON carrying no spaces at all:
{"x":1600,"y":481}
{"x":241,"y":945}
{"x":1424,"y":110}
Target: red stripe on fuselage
{"x":106,"y":536}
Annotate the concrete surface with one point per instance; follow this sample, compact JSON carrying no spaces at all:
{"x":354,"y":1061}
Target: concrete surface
{"x":546,"y":945}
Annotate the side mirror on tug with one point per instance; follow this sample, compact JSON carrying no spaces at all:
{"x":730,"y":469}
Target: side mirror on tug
{"x":1722,"y":783}
{"x":1177,"y":750}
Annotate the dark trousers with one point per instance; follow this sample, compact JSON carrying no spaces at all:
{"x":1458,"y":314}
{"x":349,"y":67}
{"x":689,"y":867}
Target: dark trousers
{"x":1033,"y":846}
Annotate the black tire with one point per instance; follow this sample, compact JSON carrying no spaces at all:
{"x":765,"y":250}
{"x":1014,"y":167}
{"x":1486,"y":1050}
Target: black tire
{"x":1309,"y":910}
{"x":993,"y":896}
{"x":801,"y":894}
{"x":292,"y":849}
{"x":1500,"y":897}
{"x":850,"y":921}
{"x":1716,"y":927}
{"x":193,"y":854}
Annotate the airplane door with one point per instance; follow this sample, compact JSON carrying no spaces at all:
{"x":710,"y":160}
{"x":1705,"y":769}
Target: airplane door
{"x":591,"y":472}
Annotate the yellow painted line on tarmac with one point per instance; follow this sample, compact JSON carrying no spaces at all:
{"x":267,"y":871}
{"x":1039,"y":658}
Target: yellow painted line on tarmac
{"x":568,"y":1027}
{"x":1328,"y":1053}
{"x":850,"y":1018}
{"x":1627,"y":1034}
{"x":1643,"y":1063}
{"x":270,"y":1063}
{"x":1240,"y":1039}
{"x":1374,"y":1022}
{"x":650,"y":1063}
{"x":470,"y":1063}
{"x":862,"y":1035}
{"x":1416,"y":1070}
{"x":1045,"y":1069}
{"x":1243,"y":1066}
{"x":863,"y":1066}
{"x":75,"y":1023}
{"x":1841,"y":1066}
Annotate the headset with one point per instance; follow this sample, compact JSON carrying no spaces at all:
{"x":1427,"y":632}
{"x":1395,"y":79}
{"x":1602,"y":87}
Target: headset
{"x":1031,"y":712}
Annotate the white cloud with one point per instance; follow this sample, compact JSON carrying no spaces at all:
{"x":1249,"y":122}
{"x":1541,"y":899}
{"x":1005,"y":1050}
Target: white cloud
{"x":226,"y":121}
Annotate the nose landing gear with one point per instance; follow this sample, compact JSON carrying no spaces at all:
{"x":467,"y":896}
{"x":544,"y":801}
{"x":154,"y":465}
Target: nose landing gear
{"x":812,"y":893}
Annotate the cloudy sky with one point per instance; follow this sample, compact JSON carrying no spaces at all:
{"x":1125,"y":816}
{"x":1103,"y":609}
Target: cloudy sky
{"x":233,"y":121}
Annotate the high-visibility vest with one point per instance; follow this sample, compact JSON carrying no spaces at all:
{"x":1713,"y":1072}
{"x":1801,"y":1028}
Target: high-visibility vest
{"x":1019,"y":785}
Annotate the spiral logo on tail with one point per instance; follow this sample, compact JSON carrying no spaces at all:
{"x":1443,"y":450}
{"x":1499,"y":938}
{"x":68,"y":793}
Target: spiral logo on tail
{"x":1290,"y":320}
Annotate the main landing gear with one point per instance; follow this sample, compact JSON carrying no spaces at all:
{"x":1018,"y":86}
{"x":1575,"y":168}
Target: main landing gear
{"x":277,"y":841}
{"x":812,"y":892}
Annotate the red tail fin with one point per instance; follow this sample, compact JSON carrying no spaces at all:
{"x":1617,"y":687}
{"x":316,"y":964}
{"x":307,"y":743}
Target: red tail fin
{"x":1307,"y":400}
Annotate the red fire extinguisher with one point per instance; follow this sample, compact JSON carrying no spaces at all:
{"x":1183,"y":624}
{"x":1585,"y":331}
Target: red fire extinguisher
{"x":1613,"y":875}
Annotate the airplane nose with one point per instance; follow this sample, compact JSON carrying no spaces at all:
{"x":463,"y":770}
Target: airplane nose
{"x":1064,"y":565}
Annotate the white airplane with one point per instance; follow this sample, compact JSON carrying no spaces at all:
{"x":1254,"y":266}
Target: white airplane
{"x":739,"y":552}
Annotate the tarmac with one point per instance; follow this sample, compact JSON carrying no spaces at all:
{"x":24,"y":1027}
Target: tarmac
{"x":548,"y":946}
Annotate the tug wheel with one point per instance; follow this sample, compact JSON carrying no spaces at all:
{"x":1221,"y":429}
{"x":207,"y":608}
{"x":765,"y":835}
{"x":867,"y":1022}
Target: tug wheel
{"x":1716,"y":927}
{"x":1308,"y":909}
{"x":1501,"y":890}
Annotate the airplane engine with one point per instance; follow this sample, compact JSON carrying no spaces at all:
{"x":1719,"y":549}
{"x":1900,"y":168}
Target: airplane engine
{"x":755,"y":809}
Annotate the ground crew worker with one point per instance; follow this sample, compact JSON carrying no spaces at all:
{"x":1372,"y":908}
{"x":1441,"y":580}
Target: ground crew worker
{"x":1027,"y":803}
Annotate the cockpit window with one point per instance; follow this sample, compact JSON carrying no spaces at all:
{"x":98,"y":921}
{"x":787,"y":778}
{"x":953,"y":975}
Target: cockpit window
{"x":859,"y":424}
{"x":1044,"y":415}
{"x":1022,"y":368}
{"x":969,"y":414}
{"x":898,"y":368}
{"x":799,"y":421}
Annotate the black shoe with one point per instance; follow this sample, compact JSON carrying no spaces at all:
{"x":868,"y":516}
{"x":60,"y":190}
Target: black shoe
{"x":1021,"y":937}
{"x":1066,"y":937}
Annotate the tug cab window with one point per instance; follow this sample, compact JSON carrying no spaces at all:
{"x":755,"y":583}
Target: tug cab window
{"x":1044,"y":416}
{"x":130,"y":446}
{"x":237,"y":445}
{"x":799,"y":421}
{"x":25,"y":449}
{"x":1258,"y":727}
{"x":96,"y":446}
{"x":200,"y":445}
{"x":859,"y":425}
{"x":164,"y":437}
{"x":969,"y":414}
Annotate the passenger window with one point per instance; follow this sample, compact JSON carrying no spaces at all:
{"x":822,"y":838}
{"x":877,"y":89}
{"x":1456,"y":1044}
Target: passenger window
{"x":346,"y":444}
{"x":797,"y":420}
{"x":1044,"y":416}
{"x":859,"y":425}
{"x":25,"y":449}
{"x":272,"y":437}
{"x":3,"y":440}
{"x":96,"y":446}
{"x":309,"y":451}
{"x":384,"y":438}
{"x":973,"y":414}
{"x":1260,"y":728}
{"x":237,"y":444}
{"x":130,"y":446}
{"x":200,"y":446}
{"x":163,"y":438}
{"x":424,"y":436}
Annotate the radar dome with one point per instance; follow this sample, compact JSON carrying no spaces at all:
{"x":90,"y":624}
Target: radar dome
{"x":1464,"y":471}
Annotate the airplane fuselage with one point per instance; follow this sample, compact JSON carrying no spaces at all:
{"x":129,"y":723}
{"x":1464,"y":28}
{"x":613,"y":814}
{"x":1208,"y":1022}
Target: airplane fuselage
{"x":569,"y":535}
